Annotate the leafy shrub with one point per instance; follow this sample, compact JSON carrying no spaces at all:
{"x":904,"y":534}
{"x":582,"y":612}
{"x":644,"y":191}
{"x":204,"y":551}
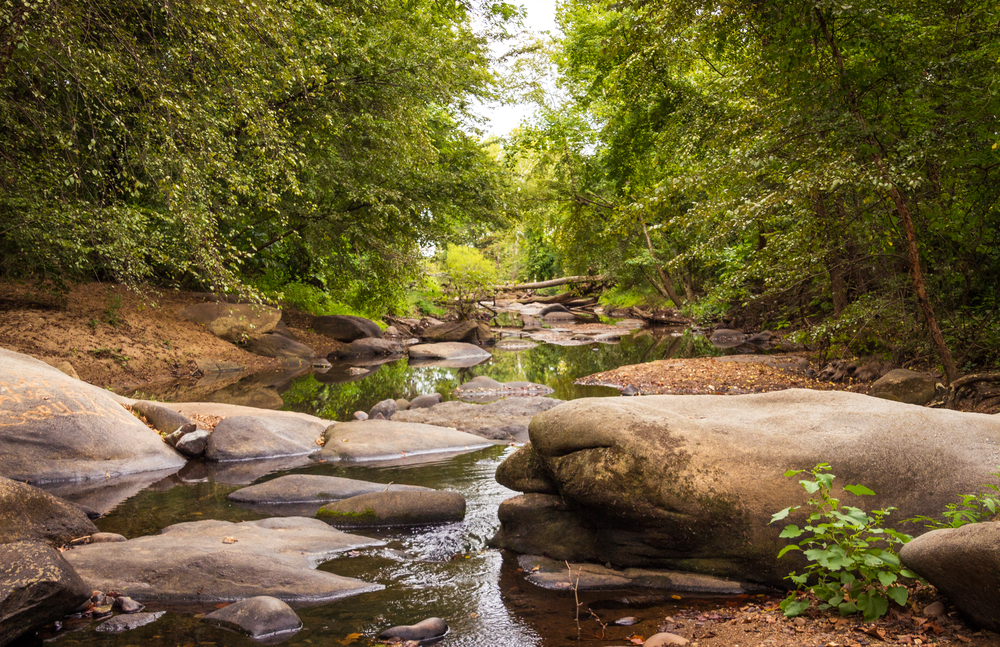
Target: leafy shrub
{"x":973,"y":508}
{"x":470,"y":277}
{"x":853,"y":565}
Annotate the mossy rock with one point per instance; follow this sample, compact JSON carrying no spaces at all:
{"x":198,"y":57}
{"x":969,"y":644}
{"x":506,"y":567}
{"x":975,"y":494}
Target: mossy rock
{"x":401,"y":508}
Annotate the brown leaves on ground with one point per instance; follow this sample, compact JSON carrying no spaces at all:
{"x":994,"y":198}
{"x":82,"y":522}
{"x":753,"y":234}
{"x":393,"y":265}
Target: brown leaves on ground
{"x":707,"y":375}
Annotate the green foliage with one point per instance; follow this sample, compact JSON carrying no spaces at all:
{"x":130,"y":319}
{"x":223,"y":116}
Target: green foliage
{"x":469,"y":277}
{"x":853,"y":565}
{"x":973,"y":508}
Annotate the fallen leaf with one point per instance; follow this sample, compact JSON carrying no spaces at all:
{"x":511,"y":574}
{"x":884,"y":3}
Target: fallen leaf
{"x":963,"y":638}
{"x":229,"y":540}
{"x":349,"y":638}
{"x":636,"y":639}
{"x":222,"y":605}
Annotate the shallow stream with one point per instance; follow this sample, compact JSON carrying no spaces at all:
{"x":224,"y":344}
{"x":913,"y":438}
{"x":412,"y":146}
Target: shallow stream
{"x":446,"y":571}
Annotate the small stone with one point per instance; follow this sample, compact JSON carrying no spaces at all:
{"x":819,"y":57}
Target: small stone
{"x":631,"y":389}
{"x":102,"y":611}
{"x":360,"y":415}
{"x":627,"y":621}
{"x":194,"y":443}
{"x":181,"y":431}
{"x":934,"y":610}
{"x":423,"y":630}
{"x":800,"y":622}
{"x":425,"y":401}
{"x":128,"y":605}
{"x":378,"y":416}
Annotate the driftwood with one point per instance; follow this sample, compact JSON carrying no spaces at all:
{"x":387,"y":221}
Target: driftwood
{"x":967,"y":381}
{"x":553,"y":282}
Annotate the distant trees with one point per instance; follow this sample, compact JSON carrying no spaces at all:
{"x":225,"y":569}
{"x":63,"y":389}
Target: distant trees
{"x":317,"y":140}
{"x":806,"y":158}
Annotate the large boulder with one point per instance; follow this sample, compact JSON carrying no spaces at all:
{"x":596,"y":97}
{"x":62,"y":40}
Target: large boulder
{"x":241,"y":438}
{"x":399,"y":508}
{"x":904,"y":385}
{"x":56,"y":428}
{"x":472,"y":332}
{"x":233,"y":321}
{"x":346,"y":328}
{"x":367,"y":347}
{"x":964,"y":564}
{"x":212,"y":561}
{"x":311,"y":488}
{"x":365,"y":440}
{"x":691,"y":482}
{"x":37,"y":586}
{"x":27,"y":513}
{"x":505,"y":419}
{"x":276,"y":345}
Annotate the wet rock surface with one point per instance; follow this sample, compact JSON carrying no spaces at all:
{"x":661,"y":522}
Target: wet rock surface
{"x":346,"y":328}
{"x":447,"y":350}
{"x":128,"y":622}
{"x":472,"y":332}
{"x":257,"y":617}
{"x":309,"y":488}
{"x":484,"y":389}
{"x":247,"y":437}
{"x":232,"y":321}
{"x":725,"y":458}
{"x":395,"y":508}
{"x":505,"y":419}
{"x":423,"y":630}
{"x":554,"y":574}
{"x":60,"y":429}
{"x":278,"y":345}
{"x":222,"y":561}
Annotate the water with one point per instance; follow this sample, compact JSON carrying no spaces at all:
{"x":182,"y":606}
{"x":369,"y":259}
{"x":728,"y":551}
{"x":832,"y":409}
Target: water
{"x":446,"y":571}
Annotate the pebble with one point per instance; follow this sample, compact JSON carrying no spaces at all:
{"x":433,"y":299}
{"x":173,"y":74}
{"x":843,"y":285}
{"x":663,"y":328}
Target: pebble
{"x":128,"y":605}
{"x":627,"y":621}
{"x":360,"y":415}
{"x":934,"y":610}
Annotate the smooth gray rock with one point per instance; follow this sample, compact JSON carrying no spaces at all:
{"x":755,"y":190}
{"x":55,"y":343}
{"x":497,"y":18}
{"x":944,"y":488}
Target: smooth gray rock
{"x":424,"y":401}
{"x":543,"y":524}
{"x":232,"y":321}
{"x":904,"y":385}
{"x":964,"y":565}
{"x":312,"y":488}
{"x":395,"y":508}
{"x":277,"y":345}
{"x":173,"y":438}
{"x":523,"y":471}
{"x":30,"y":514}
{"x":663,"y":639}
{"x":691,"y":482}
{"x":402,"y":404}
{"x":194,"y":443}
{"x":346,"y":328}
{"x":212,"y":561}
{"x":423,"y":630}
{"x":360,"y":415}
{"x":37,"y":586}
{"x":367,"y":347}
{"x":448,"y":350}
{"x":128,"y":622}
{"x":365,"y":440}
{"x":386,"y":408}
{"x":56,"y":428}
{"x":249,"y":437}
{"x":505,"y":419}
{"x":106,"y":538}
{"x":160,"y":417}
{"x":258,"y":617}
{"x":472,"y":332}
{"x":552,"y":574}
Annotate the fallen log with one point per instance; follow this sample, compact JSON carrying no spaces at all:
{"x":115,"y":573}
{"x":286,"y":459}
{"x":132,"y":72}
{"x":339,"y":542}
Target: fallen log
{"x":553,"y":282}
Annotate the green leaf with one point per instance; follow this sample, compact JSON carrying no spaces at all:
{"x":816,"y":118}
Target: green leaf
{"x":859,"y":490}
{"x":787,"y":549}
{"x":793,"y":607}
{"x":791,"y":532}
{"x":887,"y":579}
{"x":899,"y":594}
{"x":778,"y":516}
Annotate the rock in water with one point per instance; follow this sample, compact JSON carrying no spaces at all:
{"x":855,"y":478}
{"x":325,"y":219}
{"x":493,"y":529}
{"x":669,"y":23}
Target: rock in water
{"x":27,"y":513}
{"x":37,"y":586}
{"x":448,"y":350}
{"x":423,"y":630}
{"x":385,"y":408}
{"x":505,"y":419}
{"x":276,"y":345}
{"x":472,"y":332}
{"x":691,"y":482}
{"x":395,"y":508}
{"x":964,"y":564}
{"x":311,"y":488}
{"x":258,"y":617}
{"x":56,"y":428}
{"x":240,"y":438}
{"x":128,"y":622}
{"x":385,"y":439}
{"x":211,"y":561}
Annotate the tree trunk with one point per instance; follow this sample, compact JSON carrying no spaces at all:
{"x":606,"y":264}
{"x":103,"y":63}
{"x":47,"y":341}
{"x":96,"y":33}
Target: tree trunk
{"x":667,"y":289}
{"x":553,"y":282}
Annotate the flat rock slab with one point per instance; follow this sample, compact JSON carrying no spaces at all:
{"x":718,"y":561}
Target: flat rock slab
{"x":369,"y":440}
{"x":241,"y":438}
{"x":27,"y":513}
{"x":212,"y":561}
{"x":486,"y":389}
{"x":56,"y":428}
{"x":128,"y":622}
{"x":277,"y":345}
{"x":226,"y":410}
{"x":552,"y":574}
{"x":448,"y":350}
{"x":400,"y":508}
{"x":505,"y":419}
{"x":312,"y":488}
{"x":691,"y":482}
{"x":259,"y":617}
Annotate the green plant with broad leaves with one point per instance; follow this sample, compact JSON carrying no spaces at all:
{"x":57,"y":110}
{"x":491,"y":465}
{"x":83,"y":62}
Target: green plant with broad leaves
{"x":853,"y":566}
{"x":973,"y":508}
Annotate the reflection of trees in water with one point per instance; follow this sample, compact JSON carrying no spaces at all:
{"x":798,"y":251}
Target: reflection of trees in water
{"x":554,"y":366}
